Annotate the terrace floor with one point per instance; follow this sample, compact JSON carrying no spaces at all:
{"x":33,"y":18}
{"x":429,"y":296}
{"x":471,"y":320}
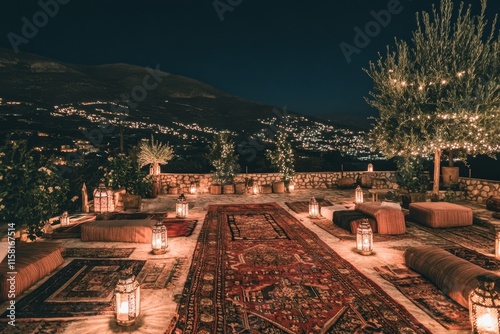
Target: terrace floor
{"x":158,"y":306}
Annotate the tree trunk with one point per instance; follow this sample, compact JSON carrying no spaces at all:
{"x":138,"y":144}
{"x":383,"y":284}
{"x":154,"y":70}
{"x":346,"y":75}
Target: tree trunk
{"x":437,"y":167}
{"x":450,"y":158}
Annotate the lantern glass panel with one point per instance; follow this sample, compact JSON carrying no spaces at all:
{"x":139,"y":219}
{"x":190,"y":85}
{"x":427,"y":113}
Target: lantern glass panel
{"x":181,"y":207}
{"x":484,"y":307}
{"x":313,"y":208}
{"x":159,"y":241}
{"x":364,"y":238}
{"x":358,"y":195}
{"x":127,"y":299}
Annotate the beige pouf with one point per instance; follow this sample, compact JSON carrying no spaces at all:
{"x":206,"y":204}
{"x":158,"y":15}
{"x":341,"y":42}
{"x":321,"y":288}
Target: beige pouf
{"x":440,"y":214}
{"x":140,"y":231}
{"x":390,"y":220}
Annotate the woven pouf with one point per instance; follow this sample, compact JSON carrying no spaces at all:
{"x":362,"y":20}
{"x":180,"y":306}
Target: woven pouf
{"x":440,"y":214}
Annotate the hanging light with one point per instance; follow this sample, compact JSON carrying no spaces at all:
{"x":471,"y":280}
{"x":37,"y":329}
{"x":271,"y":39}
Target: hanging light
{"x":313,"y":208}
{"x":181,"y":207}
{"x":103,"y":199}
{"x":358,"y":195}
{"x":484,"y":306}
{"x":127,"y":299}
{"x":370,"y":168}
{"x":159,"y":241}
{"x":64,"y":219}
{"x":364,"y":238}
{"x":193,"y":188}
{"x":497,"y":244}
{"x":255,"y":189}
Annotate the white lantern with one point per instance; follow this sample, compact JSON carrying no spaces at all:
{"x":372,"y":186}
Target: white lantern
{"x":484,"y":306}
{"x":103,"y":199}
{"x":313,"y":208}
{"x":358,"y":195}
{"x":181,"y":207}
{"x":127,"y":299}
{"x":364,"y":238}
{"x":370,"y":168}
{"x":64,"y":219}
{"x":159,"y":241}
{"x":497,"y":244}
{"x":291,"y":187}
{"x":193,"y":188}
{"x":255,"y":189}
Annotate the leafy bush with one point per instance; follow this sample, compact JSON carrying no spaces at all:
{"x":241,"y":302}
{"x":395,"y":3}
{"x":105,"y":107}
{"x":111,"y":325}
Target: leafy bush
{"x":122,"y":172}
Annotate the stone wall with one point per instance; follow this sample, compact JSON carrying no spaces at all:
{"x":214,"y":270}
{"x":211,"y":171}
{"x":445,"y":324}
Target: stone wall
{"x":479,"y":190}
{"x":311,"y":180}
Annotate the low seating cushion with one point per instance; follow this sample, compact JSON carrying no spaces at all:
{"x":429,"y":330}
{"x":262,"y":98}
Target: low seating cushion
{"x":327,"y":211}
{"x":350,"y":219}
{"x":33,"y":261}
{"x":440,"y":214}
{"x":456,"y":277}
{"x":140,"y":231}
{"x":389,"y":220}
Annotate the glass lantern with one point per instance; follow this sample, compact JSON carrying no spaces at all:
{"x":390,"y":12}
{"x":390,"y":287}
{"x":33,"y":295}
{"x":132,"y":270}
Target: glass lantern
{"x":358,"y":195}
{"x":364,"y":238}
{"x":291,"y":187}
{"x":313,"y":208}
{"x":370,"y":168}
{"x":497,"y":244}
{"x":484,"y":306}
{"x":103,"y":199}
{"x":159,"y":241}
{"x":127,"y":299}
{"x":181,"y":207}
{"x":64,"y":219}
{"x":193,"y":188}
{"x":255,"y":189}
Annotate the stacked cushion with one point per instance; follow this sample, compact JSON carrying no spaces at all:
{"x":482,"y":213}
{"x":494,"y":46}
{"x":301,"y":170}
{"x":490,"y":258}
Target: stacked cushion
{"x":390,"y":220}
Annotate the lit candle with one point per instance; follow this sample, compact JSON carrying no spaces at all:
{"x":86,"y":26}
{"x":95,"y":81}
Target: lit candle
{"x":123,"y":311}
{"x":487,"y":323}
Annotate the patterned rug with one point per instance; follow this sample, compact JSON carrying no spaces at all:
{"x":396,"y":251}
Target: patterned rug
{"x":98,"y":253}
{"x":426,"y":296}
{"x":35,"y":327}
{"x":303,"y":206}
{"x":256,"y":269}
{"x":85,"y":287}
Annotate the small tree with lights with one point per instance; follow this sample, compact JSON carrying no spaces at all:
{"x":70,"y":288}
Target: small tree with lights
{"x":282,"y":157}
{"x":441,"y":94}
{"x":223,"y":158}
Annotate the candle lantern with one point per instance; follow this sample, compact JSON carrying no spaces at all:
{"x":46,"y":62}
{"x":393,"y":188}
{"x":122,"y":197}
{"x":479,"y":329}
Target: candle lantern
{"x":364,"y":238}
{"x":181,"y":207}
{"x":313,"y":208}
{"x":127,"y":299}
{"x":291,"y":187}
{"x":370,"y":168}
{"x":255,"y":189}
{"x":497,"y":244}
{"x":193,"y":188}
{"x":64,"y":219}
{"x":159,"y":241}
{"x":358,"y":195}
{"x":484,"y":306}
{"x":103,"y":199}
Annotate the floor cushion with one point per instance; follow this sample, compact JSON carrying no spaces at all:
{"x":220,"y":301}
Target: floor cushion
{"x":140,"y":231}
{"x":350,"y":219}
{"x":33,"y":261}
{"x":390,"y":220}
{"x":327,"y":211}
{"x":456,"y":277}
{"x":440,"y":214}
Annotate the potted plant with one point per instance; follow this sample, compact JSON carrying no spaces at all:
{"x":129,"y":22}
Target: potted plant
{"x":412,"y":179}
{"x":154,"y":153}
{"x":282,"y":160}
{"x":450,"y":173}
{"x":224,"y":161}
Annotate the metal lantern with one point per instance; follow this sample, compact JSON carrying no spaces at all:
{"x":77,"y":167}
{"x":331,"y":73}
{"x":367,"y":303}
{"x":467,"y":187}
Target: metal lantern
{"x":364,"y":238}
{"x":181,"y":207}
{"x":159,"y":241}
{"x":313,"y":208}
{"x":127,"y":299}
{"x":291,"y":187}
{"x":193,"y":188}
{"x":358,"y":195}
{"x":484,"y":306}
{"x":64,"y":219}
{"x":497,"y":244}
{"x":370,"y":168}
{"x":103,"y":199}
{"x":255,"y":189}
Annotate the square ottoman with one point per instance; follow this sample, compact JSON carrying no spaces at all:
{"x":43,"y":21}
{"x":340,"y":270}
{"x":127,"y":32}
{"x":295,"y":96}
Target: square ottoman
{"x":350,"y":219}
{"x":327,"y":211}
{"x":440,"y":214}
{"x":390,"y":220}
{"x":140,"y":231}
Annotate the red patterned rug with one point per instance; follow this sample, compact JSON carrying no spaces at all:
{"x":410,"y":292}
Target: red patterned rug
{"x":256,"y":269}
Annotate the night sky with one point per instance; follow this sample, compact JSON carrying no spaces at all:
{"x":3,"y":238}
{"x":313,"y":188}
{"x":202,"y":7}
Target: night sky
{"x":285,"y":53}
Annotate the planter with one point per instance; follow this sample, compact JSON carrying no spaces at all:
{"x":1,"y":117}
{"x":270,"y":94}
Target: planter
{"x":449,"y":174}
{"x":365,"y":181}
{"x":215,"y":189}
{"x":346,"y":182}
{"x":173,"y":190}
{"x":240,"y":188}
{"x":228,"y":188}
{"x":266,"y":189}
{"x":279,"y":187}
{"x":407,"y":198}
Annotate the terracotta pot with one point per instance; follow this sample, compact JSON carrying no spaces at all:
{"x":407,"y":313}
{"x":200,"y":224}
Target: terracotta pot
{"x":215,"y":189}
{"x":366,"y":181}
{"x":240,"y":188}
{"x":266,"y":189}
{"x":228,"y":188}
{"x":449,"y":174}
{"x":346,"y":182}
{"x":279,"y":187}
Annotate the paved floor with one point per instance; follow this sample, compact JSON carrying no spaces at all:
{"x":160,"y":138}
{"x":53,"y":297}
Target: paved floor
{"x":158,"y":306}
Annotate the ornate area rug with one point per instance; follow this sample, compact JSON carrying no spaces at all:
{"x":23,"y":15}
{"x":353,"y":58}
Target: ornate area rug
{"x":179,"y":227}
{"x":426,"y":296}
{"x":256,"y":269}
{"x":35,"y":327}
{"x":85,"y":287}
{"x":303,"y":206}
{"x":98,"y":253}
